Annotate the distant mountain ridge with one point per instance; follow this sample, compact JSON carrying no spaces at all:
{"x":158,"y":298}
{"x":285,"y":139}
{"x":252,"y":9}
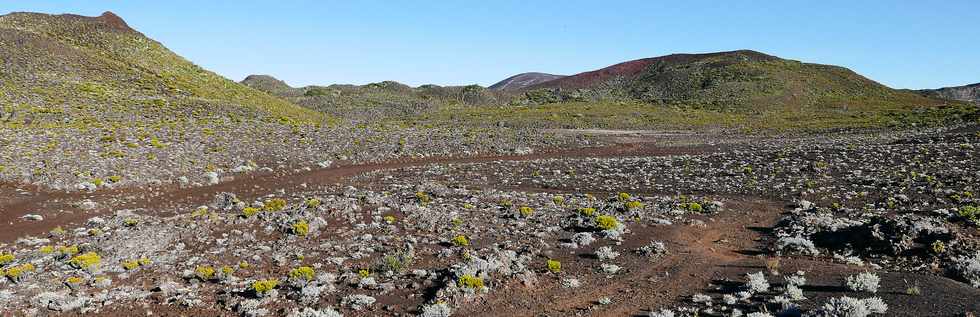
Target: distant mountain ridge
{"x":523,"y":80}
{"x":743,"y":81}
{"x":376,"y":100}
{"x":969,"y":93}
{"x":635,"y":67}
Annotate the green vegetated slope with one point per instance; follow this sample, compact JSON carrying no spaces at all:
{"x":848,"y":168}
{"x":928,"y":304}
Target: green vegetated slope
{"x":378,"y":101}
{"x":738,"y":88}
{"x":82,"y":72}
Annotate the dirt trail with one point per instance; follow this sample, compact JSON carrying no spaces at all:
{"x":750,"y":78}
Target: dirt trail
{"x":59,"y":208}
{"x":696,"y":256}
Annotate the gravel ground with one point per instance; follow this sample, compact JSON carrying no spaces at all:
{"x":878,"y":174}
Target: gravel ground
{"x":842,"y":225}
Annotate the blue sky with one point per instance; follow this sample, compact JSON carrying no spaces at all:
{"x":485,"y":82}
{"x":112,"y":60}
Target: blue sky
{"x":903,"y":44}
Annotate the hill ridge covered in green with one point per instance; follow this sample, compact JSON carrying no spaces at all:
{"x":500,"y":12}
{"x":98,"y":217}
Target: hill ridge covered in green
{"x":70,"y":70}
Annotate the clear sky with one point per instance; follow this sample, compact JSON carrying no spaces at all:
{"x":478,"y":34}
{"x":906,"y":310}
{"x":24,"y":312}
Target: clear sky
{"x":903,"y":44}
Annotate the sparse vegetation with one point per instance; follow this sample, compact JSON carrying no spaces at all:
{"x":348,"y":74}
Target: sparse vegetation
{"x":445,"y":200}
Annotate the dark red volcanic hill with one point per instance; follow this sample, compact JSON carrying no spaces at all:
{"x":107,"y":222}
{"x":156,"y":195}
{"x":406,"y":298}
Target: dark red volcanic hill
{"x":635,"y":67}
{"x":114,"y":21}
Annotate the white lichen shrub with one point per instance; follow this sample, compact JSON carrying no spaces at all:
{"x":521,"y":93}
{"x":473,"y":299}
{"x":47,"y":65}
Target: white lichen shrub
{"x":310,"y":312}
{"x":251,"y":308}
{"x":797,"y":244}
{"x":794,"y":292}
{"x":729,"y":299}
{"x":701,"y":299}
{"x":358,"y":301}
{"x":437,"y":310}
{"x":875,"y":305}
{"x":756,"y":282}
{"x":759,"y":314}
{"x":655,"y":248}
{"x":797,"y":279}
{"x":863,"y":282}
{"x":661,"y":313}
{"x":583,"y":238}
{"x":852,"y":307}
{"x":968,"y":268}
{"x":844,"y":307}
{"x":606,"y":253}
{"x":571,"y":283}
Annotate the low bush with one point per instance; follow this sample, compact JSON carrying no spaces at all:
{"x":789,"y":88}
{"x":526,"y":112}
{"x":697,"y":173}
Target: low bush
{"x":301,"y":228}
{"x":204,"y":272}
{"x":302,"y":273}
{"x":470,"y":281}
{"x":461,"y":241}
{"x":863,"y":282}
{"x":554,"y":266}
{"x":275,"y":204}
{"x":87,"y":260}
{"x":262,"y":287}
{"x":526,"y":211}
{"x":606,"y":222}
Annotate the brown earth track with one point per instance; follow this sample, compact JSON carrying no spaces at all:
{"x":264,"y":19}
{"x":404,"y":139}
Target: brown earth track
{"x":696,"y":255}
{"x":703,"y":258}
{"x":58,"y":210}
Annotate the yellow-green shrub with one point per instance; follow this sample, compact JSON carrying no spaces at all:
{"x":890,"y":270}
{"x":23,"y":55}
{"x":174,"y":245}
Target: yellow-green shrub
{"x":302,"y":272}
{"x":301,"y":228}
{"x":204,"y":272}
{"x":264,"y":286}
{"x":606,"y":222}
{"x":526,"y":211}
{"x":248,"y":212}
{"x":130,"y":265}
{"x":275,"y":204}
{"x":470,"y":281}
{"x":86,"y":260}
{"x":623,"y":196}
{"x":16,"y":272}
{"x":460,"y":241}
{"x":558,"y":200}
{"x":6,"y":258}
{"x":423,"y":197}
{"x":554,"y":266}
{"x":68,"y":250}
{"x":74,"y":281}
{"x":200,"y":212}
{"x":692,"y":207}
